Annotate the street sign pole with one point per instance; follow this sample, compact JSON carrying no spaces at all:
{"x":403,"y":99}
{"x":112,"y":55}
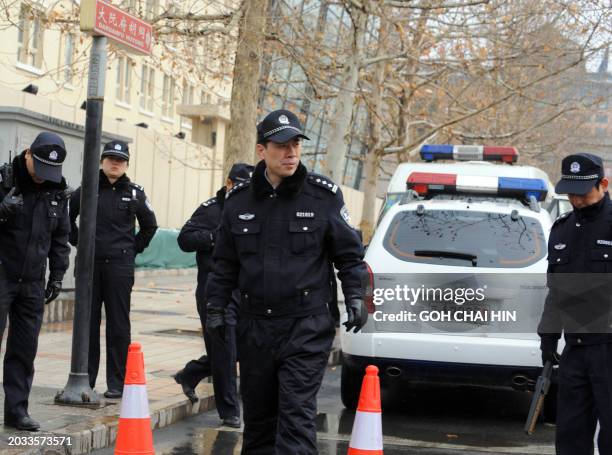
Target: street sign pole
{"x":104,"y":21}
{"x":78,"y":391}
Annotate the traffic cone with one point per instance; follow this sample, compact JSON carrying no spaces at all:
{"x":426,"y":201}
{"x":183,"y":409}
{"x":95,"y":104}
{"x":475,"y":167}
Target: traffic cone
{"x":134,"y":436}
{"x":366,"y":438}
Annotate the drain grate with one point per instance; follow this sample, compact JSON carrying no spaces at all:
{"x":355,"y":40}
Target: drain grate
{"x":178,"y":333}
{"x":156,"y":312}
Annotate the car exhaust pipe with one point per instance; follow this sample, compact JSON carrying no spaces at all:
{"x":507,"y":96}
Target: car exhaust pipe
{"x":394,"y":372}
{"x":520,"y":382}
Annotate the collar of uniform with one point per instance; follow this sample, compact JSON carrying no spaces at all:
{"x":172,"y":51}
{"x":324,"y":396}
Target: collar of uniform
{"x":25,"y":182}
{"x":592,"y":211}
{"x":290,"y":186}
{"x":121,"y":181}
{"x":221,"y":196}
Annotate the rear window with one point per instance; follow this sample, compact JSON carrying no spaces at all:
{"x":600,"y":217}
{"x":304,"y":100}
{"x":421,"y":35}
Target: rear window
{"x":465,"y":238}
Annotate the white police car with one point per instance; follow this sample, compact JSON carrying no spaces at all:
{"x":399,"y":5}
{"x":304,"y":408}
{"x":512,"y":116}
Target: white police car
{"x":454,"y":218}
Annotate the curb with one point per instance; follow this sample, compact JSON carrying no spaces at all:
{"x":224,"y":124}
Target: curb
{"x":84,"y":437}
{"x":145,"y":273}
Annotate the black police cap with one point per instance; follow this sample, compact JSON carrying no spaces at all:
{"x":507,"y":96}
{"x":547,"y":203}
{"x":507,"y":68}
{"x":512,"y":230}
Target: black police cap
{"x":118,"y":149}
{"x":579,"y":173}
{"x":280,"y":126}
{"x":49,"y":152}
{"x":240,"y":172}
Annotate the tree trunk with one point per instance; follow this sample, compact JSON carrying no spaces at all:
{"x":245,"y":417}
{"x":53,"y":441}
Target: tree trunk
{"x":243,"y":108}
{"x":340,"y":128}
{"x":372,"y":163}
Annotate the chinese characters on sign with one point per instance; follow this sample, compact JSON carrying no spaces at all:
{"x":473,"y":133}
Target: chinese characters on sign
{"x":121,"y":27}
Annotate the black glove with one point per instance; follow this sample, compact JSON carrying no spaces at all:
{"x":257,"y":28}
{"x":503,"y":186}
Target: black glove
{"x":215,"y":323}
{"x":52,"y":291}
{"x":12,"y":204}
{"x":548,"y":346}
{"x":357,"y":315}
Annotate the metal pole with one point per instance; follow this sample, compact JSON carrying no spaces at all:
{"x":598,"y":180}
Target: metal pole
{"x":77,"y":391}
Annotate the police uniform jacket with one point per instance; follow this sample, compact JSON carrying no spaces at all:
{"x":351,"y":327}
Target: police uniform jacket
{"x":119,"y":204}
{"x":199,"y":233}
{"x":275,"y":245}
{"x":39,"y":232}
{"x":579,"y":278}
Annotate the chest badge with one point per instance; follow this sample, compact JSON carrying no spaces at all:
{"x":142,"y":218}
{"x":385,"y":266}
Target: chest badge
{"x":304,"y":214}
{"x":560,"y":246}
{"x":126,"y":199}
{"x":246,"y":216}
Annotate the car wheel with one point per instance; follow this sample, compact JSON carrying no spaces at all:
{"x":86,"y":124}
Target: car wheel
{"x":550,"y":405}
{"x":350,"y":386}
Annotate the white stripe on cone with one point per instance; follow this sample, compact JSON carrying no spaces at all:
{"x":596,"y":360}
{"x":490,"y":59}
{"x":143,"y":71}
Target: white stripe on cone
{"x":367,"y":431}
{"x":135,"y":403}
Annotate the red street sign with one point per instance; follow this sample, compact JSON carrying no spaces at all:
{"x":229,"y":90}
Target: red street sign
{"x":117,"y":25}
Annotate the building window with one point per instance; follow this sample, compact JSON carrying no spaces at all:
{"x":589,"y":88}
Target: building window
{"x":150,"y":9}
{"x":187,"y":93}
{"x":147,"y":88}
{"x":204,"y":97}
{"x":30,"y":37}
{"x":129,"y":6}
{"x":601,"y":118}
{"x":168,"y":97}
{"x":69,"y":49}
{"x":124,"y":67}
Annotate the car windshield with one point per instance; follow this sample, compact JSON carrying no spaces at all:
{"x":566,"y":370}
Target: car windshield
{"x":466,"y":238}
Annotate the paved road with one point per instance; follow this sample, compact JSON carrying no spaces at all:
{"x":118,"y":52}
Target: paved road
{"x":446,"y":421}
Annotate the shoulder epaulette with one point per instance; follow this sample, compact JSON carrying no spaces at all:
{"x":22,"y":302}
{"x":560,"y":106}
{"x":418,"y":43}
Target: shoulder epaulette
{"x":137,"y":186}
{"x":238,"y":187}
{"x":323,"y":182}
{"x":211,"y":201}
{"x":560,"y":218}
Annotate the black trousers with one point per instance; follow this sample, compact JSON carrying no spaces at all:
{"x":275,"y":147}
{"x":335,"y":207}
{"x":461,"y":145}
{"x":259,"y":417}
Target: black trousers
{"x":585,"y":397}
{"x":112,"y":286}
{"x":221,"y":364}
{"x":282,"y":362}
{"x":23,"y":304}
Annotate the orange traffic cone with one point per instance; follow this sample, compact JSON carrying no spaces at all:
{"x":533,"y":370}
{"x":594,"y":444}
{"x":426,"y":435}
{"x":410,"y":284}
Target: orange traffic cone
{"x":366,"y":438}
{"x":134,"y":436}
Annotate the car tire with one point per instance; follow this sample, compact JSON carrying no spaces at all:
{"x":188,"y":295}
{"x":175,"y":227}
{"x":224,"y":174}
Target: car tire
{"x":549,"y":413}
{"x":350,"y":386}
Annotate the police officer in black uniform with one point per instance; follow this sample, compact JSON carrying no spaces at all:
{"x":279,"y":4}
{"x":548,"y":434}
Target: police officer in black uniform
{"x":199,"y":235}
{"x":578,"y":304}
{"x":279,"y":231}
{"x":120,"y":202}
{"x":34,"y":228}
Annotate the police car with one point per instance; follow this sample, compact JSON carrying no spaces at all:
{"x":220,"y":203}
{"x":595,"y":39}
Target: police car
{"x":468,"y":217}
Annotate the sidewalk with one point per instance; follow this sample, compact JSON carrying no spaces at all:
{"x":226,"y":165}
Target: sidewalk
{"x":165,"y":322}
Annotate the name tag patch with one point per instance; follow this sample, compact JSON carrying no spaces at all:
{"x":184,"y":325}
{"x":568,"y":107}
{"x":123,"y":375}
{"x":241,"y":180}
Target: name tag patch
{"x":126,"y":199}
{"x":304,"y":214}
{"x":604,"y":242}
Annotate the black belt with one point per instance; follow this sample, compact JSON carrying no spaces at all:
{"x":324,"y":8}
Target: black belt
{"x":306,"y":303}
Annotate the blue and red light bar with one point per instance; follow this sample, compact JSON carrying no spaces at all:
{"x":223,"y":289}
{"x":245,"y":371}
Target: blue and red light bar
{"x":432,"y":152}
{"x":426,"y":183}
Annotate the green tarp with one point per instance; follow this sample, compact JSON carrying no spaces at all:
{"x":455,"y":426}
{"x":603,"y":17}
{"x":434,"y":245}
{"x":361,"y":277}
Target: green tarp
{"x":164,"y":253}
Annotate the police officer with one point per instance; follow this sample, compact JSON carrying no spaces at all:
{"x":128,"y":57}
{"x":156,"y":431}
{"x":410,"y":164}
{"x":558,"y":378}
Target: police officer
{"x":279,"y":231}
{"x":199,"y":235}
{"x":120,"y":202}
{"x":578,"y":304}
{"x":34,"y":227}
